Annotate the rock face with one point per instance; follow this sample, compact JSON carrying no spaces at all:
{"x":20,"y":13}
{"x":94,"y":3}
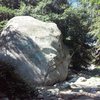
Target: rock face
{"x":34,"y":50}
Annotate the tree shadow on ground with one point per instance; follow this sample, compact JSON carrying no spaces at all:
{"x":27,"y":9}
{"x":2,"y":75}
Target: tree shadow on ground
{"x":84,"y":73}
{"x":79,"y":96}
{"x":92,"y":73}
{"x":72,"y":94}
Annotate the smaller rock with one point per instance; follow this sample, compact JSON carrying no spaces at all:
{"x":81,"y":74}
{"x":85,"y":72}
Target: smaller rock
{"x":53,"y":91}
{"x":81,"y":79}
{"x":66,"y":92}
{"x":92,"y":67}
{"x":60,"y":99}
{"x":65,"y":85}
{"x":80,"y":91}
{"x":98,"y":92}
{"x":72,"y":85}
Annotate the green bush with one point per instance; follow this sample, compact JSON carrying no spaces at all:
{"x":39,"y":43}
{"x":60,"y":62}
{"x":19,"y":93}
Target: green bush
{"x":12,"y":4}
{"x":95,"y":29}
{"x":77,"y":36}
{"x":2,"y":23}
{"x":6,"y":13}
{"x":23,"y":10}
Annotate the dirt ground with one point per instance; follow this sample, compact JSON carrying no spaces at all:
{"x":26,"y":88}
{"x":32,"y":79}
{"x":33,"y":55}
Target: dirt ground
{"x":82,"y":86}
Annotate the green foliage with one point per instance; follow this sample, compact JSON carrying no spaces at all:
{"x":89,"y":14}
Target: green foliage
{"x":77,"y":37}
{"x":4,"y":9}
{"x":49,"y":10}
{"x":23,"y":10}
{"x":95,"y":29}
{"x":6,"y":13}
{"x":12,"y":4}
{"x":94,"y":9}
{"x":2,"y":23}
{"x":30,"y":2}
{"x":90,"y":1}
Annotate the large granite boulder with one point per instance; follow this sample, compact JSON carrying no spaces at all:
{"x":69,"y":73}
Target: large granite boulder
{"x":33,"y":51}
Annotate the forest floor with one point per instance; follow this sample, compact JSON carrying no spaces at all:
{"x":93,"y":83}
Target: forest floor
{"x":82,"y":86}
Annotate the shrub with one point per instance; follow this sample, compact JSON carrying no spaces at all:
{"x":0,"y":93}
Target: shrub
{"x":2,"y":23}
{"x":77,"y":37}
{"x":95,"y":29}
{"x":12,"y":4}
{"x":6,"y":13}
